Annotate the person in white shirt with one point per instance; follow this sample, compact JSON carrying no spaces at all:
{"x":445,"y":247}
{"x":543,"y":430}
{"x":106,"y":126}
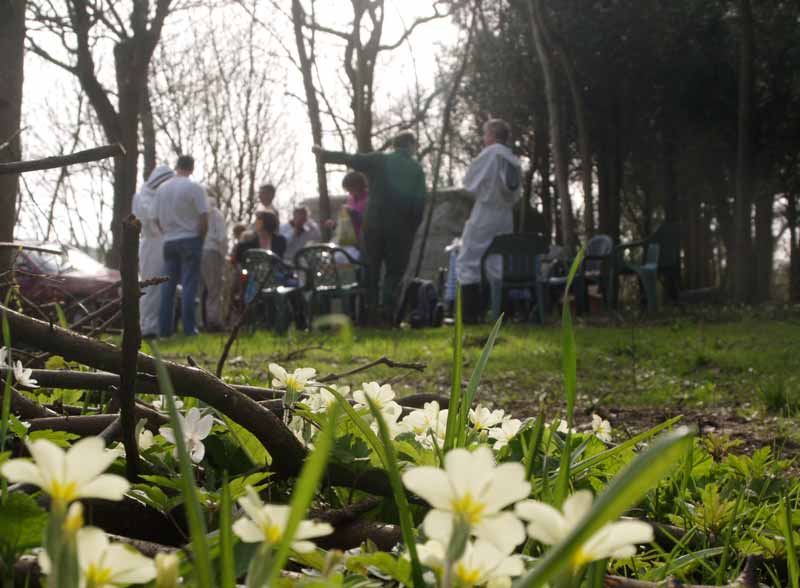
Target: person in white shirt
{"x":182,"y":216}
{"x":151,"y":249}
{"x":215,"y":247}
{"x":494,"y":177}
{"x":299,"y":232}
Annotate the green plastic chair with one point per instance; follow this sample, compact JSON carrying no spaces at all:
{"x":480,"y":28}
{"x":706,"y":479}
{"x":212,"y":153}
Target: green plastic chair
{"x":331,"y":274}
{"x":270,"y":283}
{"x":519,"y":253}
{"x":646,"y":272}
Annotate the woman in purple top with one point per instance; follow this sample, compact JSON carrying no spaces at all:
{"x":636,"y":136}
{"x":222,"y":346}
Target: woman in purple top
{"x":356,"y":185}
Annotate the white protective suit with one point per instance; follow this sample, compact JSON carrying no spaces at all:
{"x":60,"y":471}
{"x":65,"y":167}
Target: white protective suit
{"x":494,"y":177}
{"x":151,"y":248}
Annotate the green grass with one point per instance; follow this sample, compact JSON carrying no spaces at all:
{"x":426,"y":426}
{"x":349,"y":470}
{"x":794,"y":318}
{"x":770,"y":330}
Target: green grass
{"x":682,"y":363}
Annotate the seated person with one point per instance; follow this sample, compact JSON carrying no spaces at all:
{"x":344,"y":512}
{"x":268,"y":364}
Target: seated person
{"x":349,"y":238}
{"x":264,"y":236}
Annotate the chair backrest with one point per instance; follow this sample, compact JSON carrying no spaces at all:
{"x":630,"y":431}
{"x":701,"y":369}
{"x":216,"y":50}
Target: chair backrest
{"x":668,"y":236}
{"x":598,"y":246}
{"x":265,"y":270}
{"x":323,"y":262}
{"x":519,"y":253}
{"x":653,"y":254}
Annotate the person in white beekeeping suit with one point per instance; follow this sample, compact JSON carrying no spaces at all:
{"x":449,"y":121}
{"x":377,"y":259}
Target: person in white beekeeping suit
{"x":151,"y":248}
{"x":494,"y":177}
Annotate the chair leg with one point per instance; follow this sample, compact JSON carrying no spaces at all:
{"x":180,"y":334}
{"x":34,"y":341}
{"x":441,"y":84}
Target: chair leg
{"x":649,"y":282}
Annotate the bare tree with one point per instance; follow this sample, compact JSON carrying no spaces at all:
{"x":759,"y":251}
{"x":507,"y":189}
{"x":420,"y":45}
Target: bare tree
{"x":219,"y":97}
{"x":12,"y":43}
{"x":82,"y":27}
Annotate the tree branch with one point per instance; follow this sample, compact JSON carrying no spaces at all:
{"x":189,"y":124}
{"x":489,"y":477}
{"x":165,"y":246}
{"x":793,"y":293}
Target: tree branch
{"x":96,"y":154}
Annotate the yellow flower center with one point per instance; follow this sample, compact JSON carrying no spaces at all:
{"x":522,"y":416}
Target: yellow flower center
{"x":293,"y":385}
{"x":63,"y":492}
{"x":272,"y":533}
{"x":468,"y":508}
{"x":468,"y":576}
{"x":97,"y":576}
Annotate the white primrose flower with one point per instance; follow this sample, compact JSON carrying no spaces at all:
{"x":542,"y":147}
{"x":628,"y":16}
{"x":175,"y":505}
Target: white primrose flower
{"x":160,"y":404}
{"x":473,"y":489}
{"x":167,"y":570}
{"x":145,"y":441}
{"x":601,"y":428}
{"x":428,"y":419}
{"x":320,"y":400}
{"x":395,"y":426}
{"x":482,"y":563}
{"x":195,"y":427}
{"x":614,"y":540}
{"x":104,"y":564}
{"x":505,"y":432}
{"x":71,"y":474}
{"x":299,"y":381}
{"x":563,"y":427}
{"x":483,"y":418}
{"x":23,"y":376}
{"x":267,"y":522}
{"x":382,"y":397}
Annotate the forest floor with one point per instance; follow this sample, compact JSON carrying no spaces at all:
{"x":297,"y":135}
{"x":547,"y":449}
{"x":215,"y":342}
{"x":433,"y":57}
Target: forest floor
{"x":732,"y":373}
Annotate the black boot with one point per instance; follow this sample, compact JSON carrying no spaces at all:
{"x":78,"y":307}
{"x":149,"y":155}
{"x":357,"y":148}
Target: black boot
{"x":471,"y":304}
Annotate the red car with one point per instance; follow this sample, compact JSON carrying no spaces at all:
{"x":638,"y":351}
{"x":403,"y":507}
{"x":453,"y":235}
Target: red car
{"x":49,"y":273}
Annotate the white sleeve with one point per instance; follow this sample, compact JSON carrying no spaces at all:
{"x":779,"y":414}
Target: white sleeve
{"x":200,"y":201}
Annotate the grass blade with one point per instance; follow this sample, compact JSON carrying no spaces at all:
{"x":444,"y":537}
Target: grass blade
{"x":791,"y":552}
{"x":201,"y":556}
{"x":472,"y":387}
{"x":625,"y":490}
{"x":227,"y":563}
{"x":533,"y":448}
{"x":455,"y":388}
{"x":401,"y":500}
{"x":304,"y":490}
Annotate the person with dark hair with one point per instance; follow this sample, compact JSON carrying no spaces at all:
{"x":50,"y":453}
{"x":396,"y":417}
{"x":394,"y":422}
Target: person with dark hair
{"x":264,"y":236}
{"x":182,"y":216}
{"x":151,"y":249}
{"x":392,"y":215}
{"x":266,"y":198}
{"x":494,"y":177}
{"x":356,"y":185}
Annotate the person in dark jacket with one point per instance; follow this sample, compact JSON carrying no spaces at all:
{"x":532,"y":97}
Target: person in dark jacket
{"x":393,"y":214}
{"x":264,"y":236}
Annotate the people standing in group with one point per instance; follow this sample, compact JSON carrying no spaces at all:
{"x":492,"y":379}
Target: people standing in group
{"x":151,"y":249}
{"x":494,"y":177}
{"x":392,"y":215}
{"x":182,"y":215}
{"x":300,"y":231}
{"x":215,"y":247}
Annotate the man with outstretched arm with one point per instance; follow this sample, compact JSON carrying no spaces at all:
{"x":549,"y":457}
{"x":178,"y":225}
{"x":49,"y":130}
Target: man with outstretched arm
{"x":393,"y":214}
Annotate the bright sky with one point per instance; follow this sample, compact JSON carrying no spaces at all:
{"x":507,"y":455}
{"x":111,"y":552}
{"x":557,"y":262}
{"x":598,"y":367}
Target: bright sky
{"x":50,"y":95}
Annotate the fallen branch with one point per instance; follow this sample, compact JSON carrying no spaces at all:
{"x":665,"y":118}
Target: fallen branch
{"x":25,"y":408}
{"x":747,"y":579}
{"x":380,"y":361}
{"x":87,"y":156}
{"x":131,"y":342}
{"x":287,"y":453}
{"x":96,"y":424}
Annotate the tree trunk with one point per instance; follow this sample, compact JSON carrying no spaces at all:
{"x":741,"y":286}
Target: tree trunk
{"x":742,"y":272}
{"x":148,"y":135}
{"x":306,"y":65}
{"x":764,"y":247}
{"x":794,"y":252}
{"x":567,"y":224}
{"x":543,"y":166}
{"x":12,"y":49}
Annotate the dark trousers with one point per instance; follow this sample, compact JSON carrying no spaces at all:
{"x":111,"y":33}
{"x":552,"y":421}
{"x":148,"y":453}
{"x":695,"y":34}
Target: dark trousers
{"x":387,"y":248}
{"x":181,"y":265}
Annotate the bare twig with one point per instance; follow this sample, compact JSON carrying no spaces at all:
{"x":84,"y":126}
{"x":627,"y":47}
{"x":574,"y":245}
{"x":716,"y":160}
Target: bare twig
{"x":131,"y":341}
{"x":96,"y":154}
{"x":380,"y":361}
{"x":747,"y":579}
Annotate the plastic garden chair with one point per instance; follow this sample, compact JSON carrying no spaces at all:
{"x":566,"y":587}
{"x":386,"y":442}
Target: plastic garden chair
{"x":646,"y":271}
{"x":270,"y":283}
{"x":519,"y":254}
{"x":332,"y":273}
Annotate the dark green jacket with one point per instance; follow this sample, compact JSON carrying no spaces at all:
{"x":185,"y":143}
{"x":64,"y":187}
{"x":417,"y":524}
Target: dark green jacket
{"x":396,"y":184}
